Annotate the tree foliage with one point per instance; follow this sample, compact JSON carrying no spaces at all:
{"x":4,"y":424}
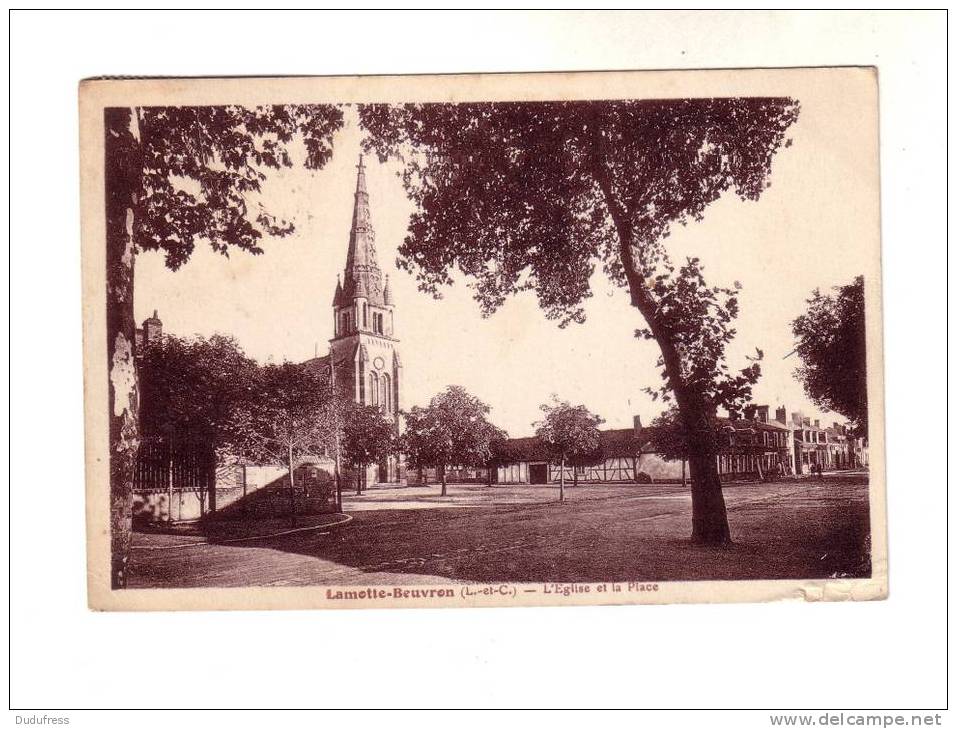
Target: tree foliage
{"x":570,"y":432}
{"x":201,"y":169}
{"x":367,"y":437}
{"x":669,"y":438}
{"x":283,"y":419}
{"x":452,"y":431}
{"x":195,"y":386}
{"x":831,"y":341}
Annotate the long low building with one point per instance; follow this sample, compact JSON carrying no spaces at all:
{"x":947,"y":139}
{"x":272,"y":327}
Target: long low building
{"x":750,"y":448}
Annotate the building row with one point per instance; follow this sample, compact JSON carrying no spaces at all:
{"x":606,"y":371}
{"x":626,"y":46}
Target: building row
{"x":755,"y":446}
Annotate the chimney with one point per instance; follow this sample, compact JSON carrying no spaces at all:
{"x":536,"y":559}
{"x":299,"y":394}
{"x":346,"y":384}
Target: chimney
{"x":749,"y":411}
{"x":152,"y":329}
{"x":763,"y":411}
{"x":806,"y":422}
{"x":817,"y":423}
{"x":781,"y":415}
{"x":637,"y":423}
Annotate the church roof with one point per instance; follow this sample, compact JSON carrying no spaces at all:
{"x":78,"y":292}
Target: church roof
{"x":363,"y":277}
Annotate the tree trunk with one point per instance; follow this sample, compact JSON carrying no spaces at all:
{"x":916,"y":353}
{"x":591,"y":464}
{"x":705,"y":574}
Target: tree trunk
{"x":709,"y":515}
{"x":338,"y":477}
{"x":561,"y":482}
{"x":684,"y":478}
{"x":442,"y":474}
{"x":360,"y":470}
{"x":574,"y":477}
{"x":292,"y":485}
{"x":123,"y":175}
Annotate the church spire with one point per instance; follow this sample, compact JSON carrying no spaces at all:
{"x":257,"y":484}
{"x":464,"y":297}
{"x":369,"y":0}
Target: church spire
{"x":362,"y":275}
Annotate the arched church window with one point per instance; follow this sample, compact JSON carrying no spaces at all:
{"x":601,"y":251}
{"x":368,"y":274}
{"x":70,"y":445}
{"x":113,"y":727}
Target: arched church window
{"x":374,"y":388}
{"x":386,"y":394}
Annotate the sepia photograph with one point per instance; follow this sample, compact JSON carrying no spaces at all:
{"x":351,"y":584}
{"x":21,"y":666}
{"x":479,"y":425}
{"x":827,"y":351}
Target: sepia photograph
{"x":472,"y":340}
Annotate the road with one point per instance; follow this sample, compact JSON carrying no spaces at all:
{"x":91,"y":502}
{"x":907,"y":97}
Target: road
{"x":795,"y":529}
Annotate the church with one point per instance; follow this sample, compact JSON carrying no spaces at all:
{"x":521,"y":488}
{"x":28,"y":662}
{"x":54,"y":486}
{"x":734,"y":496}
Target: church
{"x":173,"y":484}
{"x":363,"y":359}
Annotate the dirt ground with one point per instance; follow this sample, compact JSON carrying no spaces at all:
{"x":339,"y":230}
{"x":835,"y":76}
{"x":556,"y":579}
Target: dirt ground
{"x":790,"y":529}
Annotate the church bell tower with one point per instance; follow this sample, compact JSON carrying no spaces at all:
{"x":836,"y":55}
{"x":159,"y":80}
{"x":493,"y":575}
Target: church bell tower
{"x":364,"y":348}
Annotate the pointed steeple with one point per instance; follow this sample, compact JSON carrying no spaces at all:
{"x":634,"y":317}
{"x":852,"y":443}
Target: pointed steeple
{"x":387,"y":293}
{"x":337,"y":300}
{"x":362,"y":276}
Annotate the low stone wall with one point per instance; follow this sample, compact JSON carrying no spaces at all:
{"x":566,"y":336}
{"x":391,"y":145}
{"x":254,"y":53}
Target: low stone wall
{"x":243,"y":492}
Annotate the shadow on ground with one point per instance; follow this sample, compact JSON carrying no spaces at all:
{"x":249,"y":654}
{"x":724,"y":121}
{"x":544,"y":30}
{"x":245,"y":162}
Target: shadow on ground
{"x":801,"y":530}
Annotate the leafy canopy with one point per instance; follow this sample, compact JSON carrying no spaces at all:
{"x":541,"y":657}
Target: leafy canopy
{"x":198,"y":170}
{"x":831,"y":341}
{"x":534,"y":195}
{"x":453,"y":430}
{"x":195,"y":386}
{"x":285,"y":415}
{"x":368,"y":436}
{"x":570,"y":432}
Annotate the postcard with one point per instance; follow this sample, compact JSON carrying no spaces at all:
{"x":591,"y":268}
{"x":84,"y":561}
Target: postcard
{"x":483,"y":340}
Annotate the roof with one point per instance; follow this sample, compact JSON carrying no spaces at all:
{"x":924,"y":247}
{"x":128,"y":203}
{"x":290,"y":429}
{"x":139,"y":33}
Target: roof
{"x":362,"y":275}
{"x":621,"y":442}
{"x":614,"y":443}
{"x":743,"y":424}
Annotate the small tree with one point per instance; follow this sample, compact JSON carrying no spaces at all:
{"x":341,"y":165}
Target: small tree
{"x":496,"y":452}
{"x":281,"y":424}
{"x":832,"y":340}
{"x":452,"y":430}
{"x":570,"y":432}
{"x":367,"y":437}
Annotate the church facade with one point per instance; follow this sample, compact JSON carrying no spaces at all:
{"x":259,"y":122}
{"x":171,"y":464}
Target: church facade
{"x":363,"y":358}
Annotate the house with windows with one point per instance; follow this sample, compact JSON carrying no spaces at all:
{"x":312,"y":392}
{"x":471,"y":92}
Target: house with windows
{"x":751,"y":447}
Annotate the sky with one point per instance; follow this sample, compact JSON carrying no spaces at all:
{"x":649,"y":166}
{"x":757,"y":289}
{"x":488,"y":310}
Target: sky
{"x":804,"y":232}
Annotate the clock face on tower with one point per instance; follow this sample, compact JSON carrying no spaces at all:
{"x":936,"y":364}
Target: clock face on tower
{"x":378,"y":363}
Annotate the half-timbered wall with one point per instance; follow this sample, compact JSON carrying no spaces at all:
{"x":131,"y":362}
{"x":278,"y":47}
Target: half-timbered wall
{"x":646,"y":467}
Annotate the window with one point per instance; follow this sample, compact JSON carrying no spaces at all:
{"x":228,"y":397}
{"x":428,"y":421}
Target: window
{"x":365,"y":311}
{"x":374,"y":388}
{"x":386,"y":394}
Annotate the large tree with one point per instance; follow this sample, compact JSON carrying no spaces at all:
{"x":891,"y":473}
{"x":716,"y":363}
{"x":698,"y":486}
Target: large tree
{"x":831,"y":341}
{"x":367,"y":436}
{"x":571,"y":434}
{"x":533,"y":195}
{"x":176,"y":176}
{"x":452,"y":431}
